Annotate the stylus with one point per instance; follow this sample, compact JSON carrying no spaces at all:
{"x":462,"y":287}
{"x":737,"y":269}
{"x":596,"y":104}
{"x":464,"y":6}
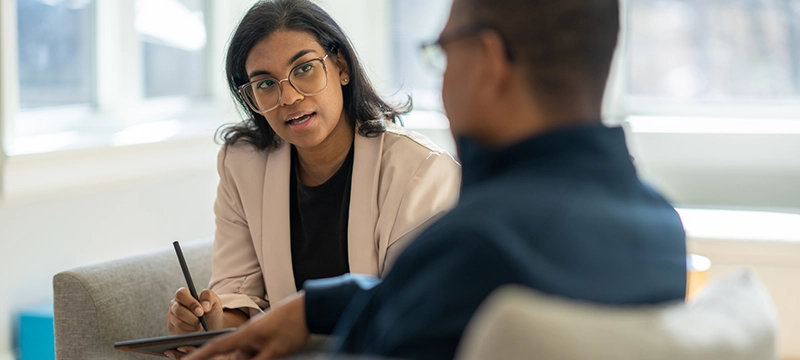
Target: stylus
{"x":189,"y":282}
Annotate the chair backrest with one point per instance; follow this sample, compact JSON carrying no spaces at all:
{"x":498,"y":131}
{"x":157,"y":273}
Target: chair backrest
{"x":733,"y":318}
{"x":97,"y":305}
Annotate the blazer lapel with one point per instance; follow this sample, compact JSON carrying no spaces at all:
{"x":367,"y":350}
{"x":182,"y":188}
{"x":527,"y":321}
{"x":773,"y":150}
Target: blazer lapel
{"x":361,"y":246}
{"x":276,"y":238}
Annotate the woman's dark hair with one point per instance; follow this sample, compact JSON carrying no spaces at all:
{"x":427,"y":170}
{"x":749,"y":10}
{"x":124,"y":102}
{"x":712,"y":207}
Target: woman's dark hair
{"x":365,"y":109}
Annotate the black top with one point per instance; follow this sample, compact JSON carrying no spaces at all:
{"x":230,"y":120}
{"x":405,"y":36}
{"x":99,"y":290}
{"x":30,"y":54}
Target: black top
{"x":319,"y":216}
{"x":562,"y":212}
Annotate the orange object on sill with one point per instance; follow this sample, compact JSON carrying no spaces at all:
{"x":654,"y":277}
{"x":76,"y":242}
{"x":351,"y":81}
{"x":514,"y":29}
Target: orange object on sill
{"x":697,"y":268}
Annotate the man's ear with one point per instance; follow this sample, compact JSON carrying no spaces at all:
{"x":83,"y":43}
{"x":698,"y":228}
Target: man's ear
{"x":344,"y":69}
{"x":497,"y":67}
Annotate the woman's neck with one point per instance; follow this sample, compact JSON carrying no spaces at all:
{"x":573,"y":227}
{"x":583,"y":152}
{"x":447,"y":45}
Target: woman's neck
{"x":316,"y":165}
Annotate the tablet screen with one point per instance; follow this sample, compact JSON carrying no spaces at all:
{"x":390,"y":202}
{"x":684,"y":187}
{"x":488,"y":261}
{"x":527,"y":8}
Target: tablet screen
{"x":158,"y":345}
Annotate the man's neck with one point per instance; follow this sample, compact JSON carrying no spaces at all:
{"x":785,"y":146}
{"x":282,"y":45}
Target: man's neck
{"x":316,"y":165}
{"x":519,"y":118}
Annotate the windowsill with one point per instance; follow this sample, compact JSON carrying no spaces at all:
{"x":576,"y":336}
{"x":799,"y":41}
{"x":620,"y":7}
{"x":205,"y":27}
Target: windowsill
{"x":80,"y":128}
{"x":741,"y":225}
{"x":712,"y":125}
{"x":719,"y":162}
{"x":32,"y":177}
{"x":712,"y":144}
{"x":48,"y":165}
{"x":769,"y":241}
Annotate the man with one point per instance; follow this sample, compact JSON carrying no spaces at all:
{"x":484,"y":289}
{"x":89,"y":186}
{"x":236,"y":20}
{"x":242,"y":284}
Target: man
{"x":550,"y":198}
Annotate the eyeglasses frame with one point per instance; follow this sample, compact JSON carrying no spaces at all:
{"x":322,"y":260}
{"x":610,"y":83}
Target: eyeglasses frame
{"x":246,"y":98}
{"x":464,"y":32}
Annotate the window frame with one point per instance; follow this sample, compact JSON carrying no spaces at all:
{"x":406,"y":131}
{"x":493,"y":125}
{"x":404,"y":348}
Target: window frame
{"x":684,"y":150}
{"x":115,"y":37}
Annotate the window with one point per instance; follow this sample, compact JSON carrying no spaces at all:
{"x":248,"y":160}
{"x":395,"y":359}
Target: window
{"x":709,"y":91}
{"x":416,"y":22}
{"x":173,"y":37}
{"x":90,"y":70}
{"x":107,"y":78}
{"x":711,"y":53}
{"x":55,"y":53}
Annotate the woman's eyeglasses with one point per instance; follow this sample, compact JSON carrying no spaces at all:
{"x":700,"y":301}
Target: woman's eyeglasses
{"x":263,"y":93}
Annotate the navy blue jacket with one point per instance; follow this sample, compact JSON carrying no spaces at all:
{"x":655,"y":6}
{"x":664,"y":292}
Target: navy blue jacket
{"x":563,"y":212}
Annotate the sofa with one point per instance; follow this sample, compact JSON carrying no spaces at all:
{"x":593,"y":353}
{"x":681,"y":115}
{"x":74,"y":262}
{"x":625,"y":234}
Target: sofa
{"x":97,"y":305}
{"x":732,"y":318}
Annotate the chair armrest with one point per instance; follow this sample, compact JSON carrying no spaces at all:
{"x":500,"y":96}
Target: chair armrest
{"x":128,"y":298}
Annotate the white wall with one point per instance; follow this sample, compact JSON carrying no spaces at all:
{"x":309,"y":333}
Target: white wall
{"x":365,"y":22}
{"x":41,"y":237}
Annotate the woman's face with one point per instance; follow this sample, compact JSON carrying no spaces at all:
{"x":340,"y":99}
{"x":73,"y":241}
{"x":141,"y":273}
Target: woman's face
{"x":304,"y":121}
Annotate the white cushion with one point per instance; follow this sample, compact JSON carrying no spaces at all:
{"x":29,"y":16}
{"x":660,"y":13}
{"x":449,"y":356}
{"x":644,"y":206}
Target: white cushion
{"x":733,"y":318}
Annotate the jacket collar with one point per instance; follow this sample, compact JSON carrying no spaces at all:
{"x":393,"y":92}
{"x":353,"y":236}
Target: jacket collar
{"x":563,"y":147}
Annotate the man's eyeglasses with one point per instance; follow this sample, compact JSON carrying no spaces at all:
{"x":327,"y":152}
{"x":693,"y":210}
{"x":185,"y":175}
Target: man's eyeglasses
{"x":435,"y":55}
{"x":263,"y":93}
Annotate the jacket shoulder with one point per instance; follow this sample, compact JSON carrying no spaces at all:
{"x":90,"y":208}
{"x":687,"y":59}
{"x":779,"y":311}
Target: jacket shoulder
{"x":409,"y":143}
{"x":240,"y":153}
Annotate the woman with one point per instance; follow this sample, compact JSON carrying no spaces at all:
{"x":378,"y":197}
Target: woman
{"x":318,"y":181}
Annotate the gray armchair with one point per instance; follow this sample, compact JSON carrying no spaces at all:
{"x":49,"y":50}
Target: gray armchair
{"x":97,"y":305}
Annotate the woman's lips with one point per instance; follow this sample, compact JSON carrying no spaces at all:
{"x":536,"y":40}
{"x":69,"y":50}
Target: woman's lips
{"x":302,"y":122}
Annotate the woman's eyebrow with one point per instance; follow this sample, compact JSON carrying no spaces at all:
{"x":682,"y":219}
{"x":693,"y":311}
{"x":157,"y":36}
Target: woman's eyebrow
{"x":294,"y":58}
{"x":299,"y":55}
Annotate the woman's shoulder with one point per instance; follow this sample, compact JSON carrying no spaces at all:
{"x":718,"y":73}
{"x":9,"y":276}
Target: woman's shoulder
{"x":405,"y":152}
{"x":398,"y":139}
{"x":240,"y":153}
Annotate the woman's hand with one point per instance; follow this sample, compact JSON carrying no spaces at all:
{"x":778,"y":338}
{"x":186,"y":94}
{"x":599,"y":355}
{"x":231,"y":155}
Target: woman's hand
{"x":277,"y":333}
{"x":180,"y":352}
{"x":184,"y":312}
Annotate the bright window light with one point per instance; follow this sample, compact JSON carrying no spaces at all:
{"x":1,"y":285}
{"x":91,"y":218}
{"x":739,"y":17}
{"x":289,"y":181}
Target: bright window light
{"x":173,"y":35}
{"x":740,"y":225}
{"x":55,"y":53}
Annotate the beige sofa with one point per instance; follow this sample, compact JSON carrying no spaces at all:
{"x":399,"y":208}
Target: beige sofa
{"x":733,"y":318}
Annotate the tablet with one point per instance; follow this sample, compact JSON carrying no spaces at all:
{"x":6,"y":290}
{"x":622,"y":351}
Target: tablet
{"x":158,"y":345}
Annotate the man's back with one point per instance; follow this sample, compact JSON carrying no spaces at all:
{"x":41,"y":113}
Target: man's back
{"x":563,"y":213}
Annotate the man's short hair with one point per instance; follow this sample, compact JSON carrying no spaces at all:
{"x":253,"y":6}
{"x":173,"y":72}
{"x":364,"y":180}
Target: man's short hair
{"x":562,"y":44}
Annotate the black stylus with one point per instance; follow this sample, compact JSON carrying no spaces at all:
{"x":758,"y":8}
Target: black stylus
{"x":189,"y":282}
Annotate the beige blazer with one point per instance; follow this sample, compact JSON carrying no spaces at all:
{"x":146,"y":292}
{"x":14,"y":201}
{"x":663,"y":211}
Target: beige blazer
{"x":401,"y":180}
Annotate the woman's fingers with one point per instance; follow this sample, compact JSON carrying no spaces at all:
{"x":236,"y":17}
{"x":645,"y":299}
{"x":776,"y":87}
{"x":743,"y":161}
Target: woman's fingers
{"x":179,"y":314}
{"x":172,"y":354}
{"x":185,"y":298}
{"x":184,"y":312}
{"x":186,"y":349}
{"x":180,"y":352}
{"x":209,"y":300}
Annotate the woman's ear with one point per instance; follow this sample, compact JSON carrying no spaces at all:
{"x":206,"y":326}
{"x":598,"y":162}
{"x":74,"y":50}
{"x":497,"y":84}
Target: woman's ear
{"x":344,"y":70}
